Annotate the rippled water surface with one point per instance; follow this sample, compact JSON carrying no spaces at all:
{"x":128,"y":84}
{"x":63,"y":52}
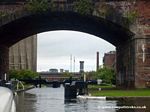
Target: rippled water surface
{"x":52,"y":100}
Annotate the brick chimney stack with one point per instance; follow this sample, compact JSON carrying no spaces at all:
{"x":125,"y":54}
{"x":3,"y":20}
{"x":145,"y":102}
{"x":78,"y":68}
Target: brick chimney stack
{"x":97,"y":61}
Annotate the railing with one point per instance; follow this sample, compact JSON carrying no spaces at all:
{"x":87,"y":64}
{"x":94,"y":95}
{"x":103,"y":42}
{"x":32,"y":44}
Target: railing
{"x":19,"y":82}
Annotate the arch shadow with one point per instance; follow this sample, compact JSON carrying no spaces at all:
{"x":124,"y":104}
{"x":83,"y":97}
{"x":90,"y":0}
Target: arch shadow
{"x":21,"y":28}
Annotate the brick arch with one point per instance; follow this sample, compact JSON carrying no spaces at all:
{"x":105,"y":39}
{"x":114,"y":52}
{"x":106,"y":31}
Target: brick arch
{"x":21,"y":23}
{"x":30,"y":24}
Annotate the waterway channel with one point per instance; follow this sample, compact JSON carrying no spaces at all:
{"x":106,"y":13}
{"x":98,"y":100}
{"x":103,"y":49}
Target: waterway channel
{"x":52,"y":100}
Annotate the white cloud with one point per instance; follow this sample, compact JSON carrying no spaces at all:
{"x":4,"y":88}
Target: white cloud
{"x":55,"y":48}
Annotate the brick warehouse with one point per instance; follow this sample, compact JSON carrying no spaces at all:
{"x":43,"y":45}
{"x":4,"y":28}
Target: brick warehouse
{"x":109,"y":59}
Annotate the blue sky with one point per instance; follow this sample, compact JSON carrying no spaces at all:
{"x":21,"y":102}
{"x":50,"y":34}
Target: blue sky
{"x":56,"y":47}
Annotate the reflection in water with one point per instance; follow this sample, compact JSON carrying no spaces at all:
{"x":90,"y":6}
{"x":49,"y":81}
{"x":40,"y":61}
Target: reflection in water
{"x":84,"y":105}
{"x":25,"y":102}
{"x":52,"y":100}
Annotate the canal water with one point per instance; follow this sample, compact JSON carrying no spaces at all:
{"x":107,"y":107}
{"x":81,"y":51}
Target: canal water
{"x":52,"y":100}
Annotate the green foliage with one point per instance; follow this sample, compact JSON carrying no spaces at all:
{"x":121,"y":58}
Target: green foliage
{"x":52,"y":6}
{"x":67,"y":74}
{"x":131,"y":16}
{"x":106,"y":74}
{"x":121,"y":93}
{"x":96,"y":87}
{"x":37,"y":5}
{"x":2,"y":14}
{"x":84,"y":7}
{"x":91,"y":75}
{"x":14,"y":74}
{"x":105,"y":11}
{"x":23,"y":74}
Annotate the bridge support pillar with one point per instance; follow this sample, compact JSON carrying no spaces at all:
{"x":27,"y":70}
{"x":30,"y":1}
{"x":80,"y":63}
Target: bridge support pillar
{"x":4,"y":61}
{"x":133,"y":64}
{"x":125,"y":77}
{"x":142,"y":62}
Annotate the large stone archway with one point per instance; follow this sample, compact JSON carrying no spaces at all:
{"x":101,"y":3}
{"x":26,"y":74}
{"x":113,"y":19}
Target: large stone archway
{"x":132,"y":48}
{"x":50,"y":21}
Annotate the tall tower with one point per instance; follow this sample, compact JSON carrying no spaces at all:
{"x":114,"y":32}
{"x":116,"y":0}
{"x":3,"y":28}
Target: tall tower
{"x":97,"y":61}
{"x":81,"y":66}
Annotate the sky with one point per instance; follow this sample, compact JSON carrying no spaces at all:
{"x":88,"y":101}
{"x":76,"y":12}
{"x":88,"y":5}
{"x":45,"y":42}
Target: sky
{"x":55,"y":49}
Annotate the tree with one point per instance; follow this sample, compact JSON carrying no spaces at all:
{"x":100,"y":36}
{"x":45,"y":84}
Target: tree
{"x":92,"y":75}
{"x":107,"y":75}
{"x":23,"y":74}
{"x":14,"y":74}
{"x":67,"y":74}
{"x":28,"y":74}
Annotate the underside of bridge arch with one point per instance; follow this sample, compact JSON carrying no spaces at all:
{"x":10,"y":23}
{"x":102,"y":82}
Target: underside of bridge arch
{"x":36,"y":23}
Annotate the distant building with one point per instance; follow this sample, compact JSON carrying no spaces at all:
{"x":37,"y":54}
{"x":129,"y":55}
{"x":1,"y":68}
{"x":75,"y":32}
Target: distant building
{"x":23,"y":55}
{"x":81,"y":66}
{"x":53,"y":70}
{"x":61,"y":70}
{"x":66,"y":71}
{"x":109,"y":59}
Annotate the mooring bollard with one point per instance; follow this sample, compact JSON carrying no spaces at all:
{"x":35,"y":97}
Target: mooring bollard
{"x":70,"y":91}
{"x":81,"y":88}
{"x":74,"y":89}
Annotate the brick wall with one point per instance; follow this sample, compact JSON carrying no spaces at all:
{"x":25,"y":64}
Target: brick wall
{"x":109,"y":59}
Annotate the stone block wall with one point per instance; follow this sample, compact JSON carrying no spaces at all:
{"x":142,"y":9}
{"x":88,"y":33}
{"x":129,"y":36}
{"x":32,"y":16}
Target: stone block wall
{"x":23,"y":55}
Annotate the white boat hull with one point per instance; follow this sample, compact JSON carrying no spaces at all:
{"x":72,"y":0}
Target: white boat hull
{"x":7,"y":103}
